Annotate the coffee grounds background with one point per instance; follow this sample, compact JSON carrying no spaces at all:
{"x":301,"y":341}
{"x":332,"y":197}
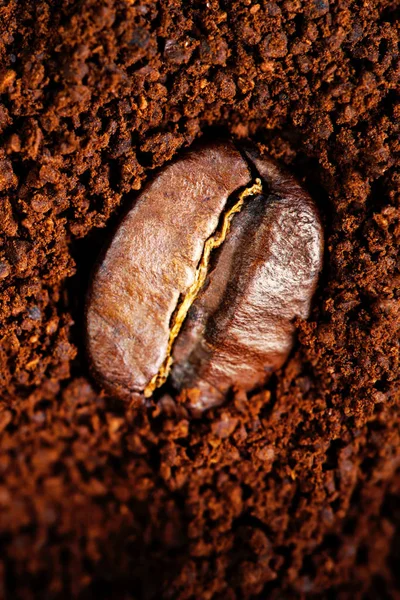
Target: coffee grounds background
{"x":292,"y":493}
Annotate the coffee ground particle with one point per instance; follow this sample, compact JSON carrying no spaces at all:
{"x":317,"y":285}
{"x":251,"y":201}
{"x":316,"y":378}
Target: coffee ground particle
{"x":294,"y":493}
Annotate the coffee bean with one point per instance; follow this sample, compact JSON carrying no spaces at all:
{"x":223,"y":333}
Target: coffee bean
{"x":203,"y":279}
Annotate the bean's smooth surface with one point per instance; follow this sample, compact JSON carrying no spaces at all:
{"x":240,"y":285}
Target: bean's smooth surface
{"x":239,"y":327}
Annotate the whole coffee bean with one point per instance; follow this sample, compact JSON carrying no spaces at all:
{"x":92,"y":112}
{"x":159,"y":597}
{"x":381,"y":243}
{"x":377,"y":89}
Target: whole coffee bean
{"x":204,"y":277}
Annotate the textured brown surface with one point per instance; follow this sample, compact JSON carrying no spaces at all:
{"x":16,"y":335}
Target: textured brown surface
{"x":293,"y":494}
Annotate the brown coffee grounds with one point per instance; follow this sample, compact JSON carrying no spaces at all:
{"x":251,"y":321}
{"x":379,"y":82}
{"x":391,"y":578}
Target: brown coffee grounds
{"x":292,"y":493}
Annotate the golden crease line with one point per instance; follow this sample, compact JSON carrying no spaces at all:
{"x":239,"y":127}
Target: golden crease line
{"x":212,"y":242}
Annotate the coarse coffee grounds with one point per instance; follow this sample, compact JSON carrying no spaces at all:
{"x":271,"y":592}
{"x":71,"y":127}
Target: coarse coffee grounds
{"x":293,"y":492}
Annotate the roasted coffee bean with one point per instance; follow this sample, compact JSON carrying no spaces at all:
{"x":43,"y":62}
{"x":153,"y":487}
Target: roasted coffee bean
{"x":204,"y":277}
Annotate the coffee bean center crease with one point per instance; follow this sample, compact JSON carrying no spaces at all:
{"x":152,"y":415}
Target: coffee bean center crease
{"x":211,"y":244}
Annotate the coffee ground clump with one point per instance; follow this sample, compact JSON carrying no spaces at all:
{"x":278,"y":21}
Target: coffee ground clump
{"x":291,"y":492}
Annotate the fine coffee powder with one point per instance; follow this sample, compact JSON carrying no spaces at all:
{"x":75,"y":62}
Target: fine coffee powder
{"x":291,"y":491}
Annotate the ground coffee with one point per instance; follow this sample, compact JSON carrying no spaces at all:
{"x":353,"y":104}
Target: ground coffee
{"x":292,"y":494}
